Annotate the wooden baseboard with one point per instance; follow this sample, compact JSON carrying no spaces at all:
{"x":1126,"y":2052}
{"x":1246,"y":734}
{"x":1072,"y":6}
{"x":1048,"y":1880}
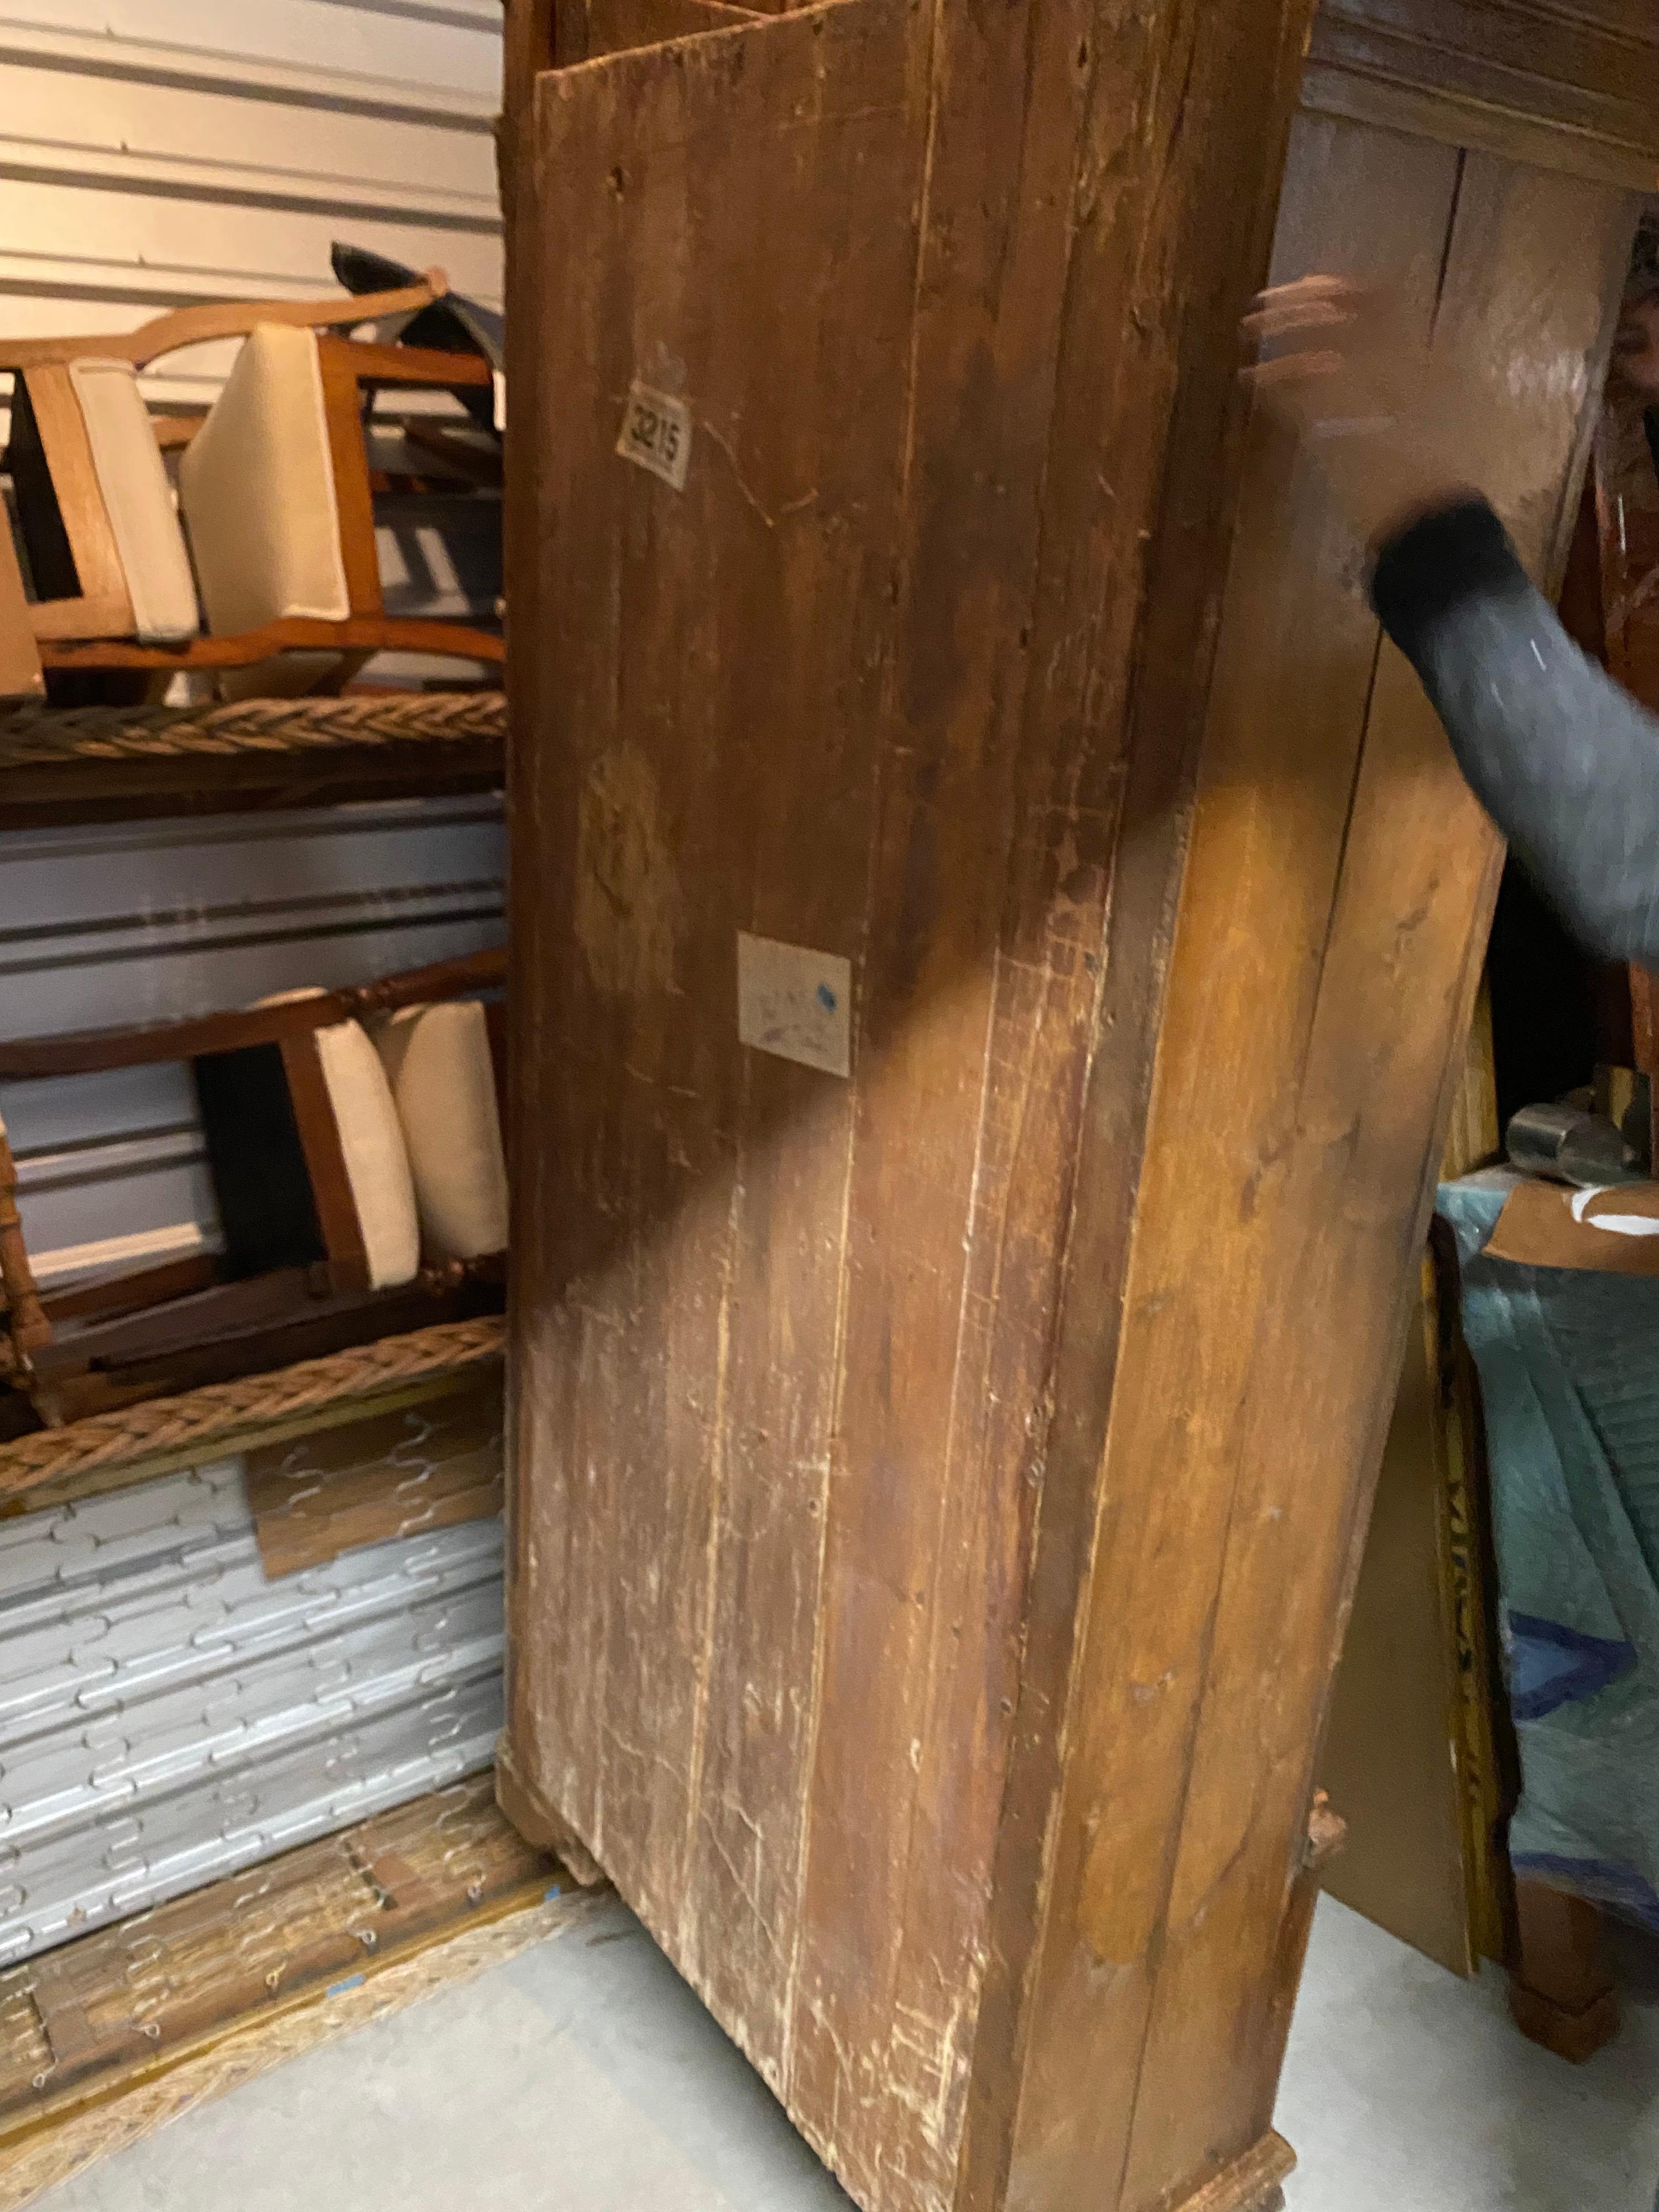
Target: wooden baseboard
{"x":1250,"y":2183}
{"x":540,"y":1823}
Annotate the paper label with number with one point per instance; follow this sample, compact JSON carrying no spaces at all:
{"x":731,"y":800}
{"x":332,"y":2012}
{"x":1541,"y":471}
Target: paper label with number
{"x":656,"y":434}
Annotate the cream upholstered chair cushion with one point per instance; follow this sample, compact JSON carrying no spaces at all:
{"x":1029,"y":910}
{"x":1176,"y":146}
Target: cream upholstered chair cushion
{"x":443,"y":1078}
{"x":372,"y":1145}
{"x":377,"y":1161}
{"x":257,"y":486}
{"x":137,"y":499}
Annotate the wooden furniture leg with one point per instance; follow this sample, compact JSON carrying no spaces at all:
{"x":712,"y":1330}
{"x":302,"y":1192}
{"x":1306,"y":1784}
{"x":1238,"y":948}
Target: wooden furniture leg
{"x":1644,"y":1044}
{"x":1561,"y":1992}
{"x":26,"y":1322}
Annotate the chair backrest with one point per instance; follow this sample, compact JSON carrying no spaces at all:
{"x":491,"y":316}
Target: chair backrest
{"x":256,"y":488}
{"x":338,"y":1102}
{"x":95,"y":511}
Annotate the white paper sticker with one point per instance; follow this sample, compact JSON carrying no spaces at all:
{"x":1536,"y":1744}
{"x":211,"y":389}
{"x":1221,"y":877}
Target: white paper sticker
{"x":500,"y":384}
{"x":656,"y":434}
{"x":796,"y":1003}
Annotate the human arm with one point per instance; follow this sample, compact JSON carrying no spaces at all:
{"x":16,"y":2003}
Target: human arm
{"x":1565,"y":762}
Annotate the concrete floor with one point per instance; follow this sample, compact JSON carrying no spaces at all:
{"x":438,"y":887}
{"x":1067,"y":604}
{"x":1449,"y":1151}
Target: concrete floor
{"x":583,"y":2076}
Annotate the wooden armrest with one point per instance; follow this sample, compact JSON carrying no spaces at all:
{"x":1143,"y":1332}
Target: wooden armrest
{"x":292,"y":633}
{"x":401,"y":364}
{"x":196,"y":326}
{"x":86,"y":1052}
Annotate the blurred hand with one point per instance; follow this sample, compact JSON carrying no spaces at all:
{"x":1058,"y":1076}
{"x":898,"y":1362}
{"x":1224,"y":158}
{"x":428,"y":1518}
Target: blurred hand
{"x":1393,"y":426}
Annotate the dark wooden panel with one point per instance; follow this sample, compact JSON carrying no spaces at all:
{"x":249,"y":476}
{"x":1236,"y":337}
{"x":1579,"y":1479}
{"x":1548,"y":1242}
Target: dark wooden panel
{"x":398,"y":1474}
{"x":1389,"y":1756}
{"x":1409,"y":1761}
{"x":1566,"y":84}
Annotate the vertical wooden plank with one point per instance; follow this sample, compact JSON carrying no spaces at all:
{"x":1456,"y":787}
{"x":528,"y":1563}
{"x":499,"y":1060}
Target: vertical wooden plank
{"x":813,"y":489}
{"x":527,"y":34}
{"x":526,"y":50}
{"x":703,"y":766}
{"x":1264,"y":849}
{"x":1408,"y":1760}
{"x":1355,"y":1130}
{"x":26,"y":1327}
{"x":1070,"y":364}
{"x":941,"y":1352}
{"x":318,"y":1126}
{"x":19,"y":656}
{"x":1390,"y":1755}
{"x":1534,"y":263}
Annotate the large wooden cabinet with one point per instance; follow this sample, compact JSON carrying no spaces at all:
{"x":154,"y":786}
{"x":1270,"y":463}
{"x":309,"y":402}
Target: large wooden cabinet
{"x":936,"y":1485}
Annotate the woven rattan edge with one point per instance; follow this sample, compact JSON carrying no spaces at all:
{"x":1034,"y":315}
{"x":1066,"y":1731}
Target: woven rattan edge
{"x":107,"y":1451}
{"x":32,"y":736}
{"x":89,"y":764}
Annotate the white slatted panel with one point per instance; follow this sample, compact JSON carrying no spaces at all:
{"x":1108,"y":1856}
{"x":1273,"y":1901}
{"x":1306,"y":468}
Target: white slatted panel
{"x":166,"y":152}
{"x":155,"y":152}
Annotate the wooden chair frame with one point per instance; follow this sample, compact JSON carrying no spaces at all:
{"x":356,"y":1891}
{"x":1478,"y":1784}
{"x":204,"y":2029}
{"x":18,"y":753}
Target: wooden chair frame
{"x":337,"y":1294}
{"x":88,"y":629}
{"x":47,"y":422}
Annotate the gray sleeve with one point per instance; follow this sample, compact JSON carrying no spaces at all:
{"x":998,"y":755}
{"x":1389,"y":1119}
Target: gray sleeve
{"x":1565,"y":762}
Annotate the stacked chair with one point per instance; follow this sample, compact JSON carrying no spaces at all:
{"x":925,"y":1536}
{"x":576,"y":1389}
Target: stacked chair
{"x":355,"y":1143}
{"x":246,"y":542}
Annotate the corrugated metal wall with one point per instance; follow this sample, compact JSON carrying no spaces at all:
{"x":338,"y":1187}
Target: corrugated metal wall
{"x":153,"y":152}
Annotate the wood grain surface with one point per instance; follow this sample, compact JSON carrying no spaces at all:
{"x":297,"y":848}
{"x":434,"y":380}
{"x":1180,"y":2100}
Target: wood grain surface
{"x":398,"y":1474}
{"x":1336,"y":898}
{"x":1572,"y":87}
{"x":935,"y":1494}
{"x":103,"y":605}
{"x":783,"y":1344}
